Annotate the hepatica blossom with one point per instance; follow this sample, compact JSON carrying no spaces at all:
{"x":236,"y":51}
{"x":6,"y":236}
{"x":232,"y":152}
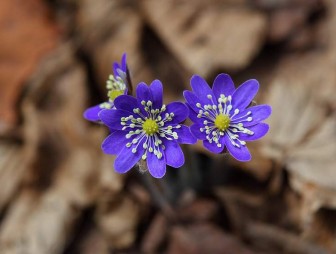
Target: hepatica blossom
{"x":116,"y":85}
{"x":143,"y":128}
{"x":144,"y":131}
{"x":221,"y":116}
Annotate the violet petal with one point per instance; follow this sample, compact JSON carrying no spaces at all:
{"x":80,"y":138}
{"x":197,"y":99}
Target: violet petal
{"x":174,"y":154}
{"x":156,"y":167}
{"x":259,"y":130}
{"x":157,"y":93}
{"x":223,"y":84}
{"x":185,"y":136}
{"x":239,"y":153}
{"x":195,"y":129}
{"x":244,"y":94}
{"x":111,"y":118}
{"x":212,"y":147}
{"x":180,"y":111}
{"x":114,"y":142}
{"x":258,"y":114}
{"x":126,"y":102}
{"x":126,"y":159}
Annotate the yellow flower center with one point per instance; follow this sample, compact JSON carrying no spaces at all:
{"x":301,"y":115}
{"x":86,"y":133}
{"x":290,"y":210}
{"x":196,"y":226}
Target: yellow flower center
{"x":112,"y":94}
{"x":150,"y":126}
{"x":222,"y":122}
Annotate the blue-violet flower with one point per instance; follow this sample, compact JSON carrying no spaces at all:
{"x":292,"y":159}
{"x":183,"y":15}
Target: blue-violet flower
{"x":143,"y":128}
{"x":116,"y":85}
{"x":221,"y":116}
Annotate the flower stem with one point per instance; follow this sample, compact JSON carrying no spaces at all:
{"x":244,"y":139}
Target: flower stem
{"x":158,"y":198}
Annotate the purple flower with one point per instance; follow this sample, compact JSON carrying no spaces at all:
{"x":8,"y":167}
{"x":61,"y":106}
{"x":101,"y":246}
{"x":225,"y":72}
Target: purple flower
{"x":221,"y":116}
{"x":116,"y":85}
{"x":121,"y":70}
{"x":143,"y":128}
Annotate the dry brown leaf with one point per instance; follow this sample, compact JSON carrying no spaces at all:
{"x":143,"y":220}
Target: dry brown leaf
{"x":204,"y":36}
{"x":203,"y":238}
{"x":301,"y":87}
{"x":315,"y":199}
{"x":12,"y":166}
{"x":239,"y":204}
{"x":280,"y":240}
{"x":301,"y":136}
{"x":315,"y":161}
{"x":42,"y":227}
{"x":107,"y":34}
{"x":199,"y":210}
{"x":295,"y":114}
{"x":118,"y":221}
{"x":110,"y":182}
{"x":155,"y":235}
{"x":286,"y":21}
{"x":27,"y":35}
{"x":323,"y":227}
{"x":63,"y":160}
{"x":94,"y":242}
{"x":302,"y":133}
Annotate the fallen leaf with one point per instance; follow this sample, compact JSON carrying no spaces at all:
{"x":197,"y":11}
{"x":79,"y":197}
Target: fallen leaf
{"x":118,"y":222}
{"x":204,"y":36}
{"x":27,"y":34}
{"x":204,"y":238}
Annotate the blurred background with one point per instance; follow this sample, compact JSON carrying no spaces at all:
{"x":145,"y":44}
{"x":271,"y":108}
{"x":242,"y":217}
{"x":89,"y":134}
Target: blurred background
{"x":59,"y":192}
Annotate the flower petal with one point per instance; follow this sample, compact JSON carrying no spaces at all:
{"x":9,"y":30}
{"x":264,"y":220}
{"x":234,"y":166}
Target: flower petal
{"x":156,"y":167}
{"x":116,"y":67}
{"x":193,"y":116}
{"x":184,"y":135}
{"x":91,"y":113}
{"x":195,"y":129}
{"x":212,"y":147}
{"x":239,"y":153}
{"x":123,"y":62}
{"x":258,"y":114}
{"x":259,"y":130}
{"x":126,"y":102}
{"x":180,"y":111}
{"x":173,"y":153}
{"x":192,"y":100}
{"x":115,"y":142}
{"x":157,"y":93}
{"x":201,"y":88}
{"x":111,"y":117}
{"x":143,"y":93}
{"x":244,"y":94}
{"x":126,"y":159}
{"x":223,"y":84}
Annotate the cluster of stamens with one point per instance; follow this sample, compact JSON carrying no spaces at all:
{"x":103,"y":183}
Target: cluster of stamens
{"x":115,"y":86}
{"x":149,"y":128}
{"x":219,"y":120}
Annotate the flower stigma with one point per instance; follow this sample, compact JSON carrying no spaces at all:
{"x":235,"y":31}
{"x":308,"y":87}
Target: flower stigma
{"x":112,"y":94}
{"x":222,"y":122}
{"x":219,"y":120}
{"x":150,"y":126}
